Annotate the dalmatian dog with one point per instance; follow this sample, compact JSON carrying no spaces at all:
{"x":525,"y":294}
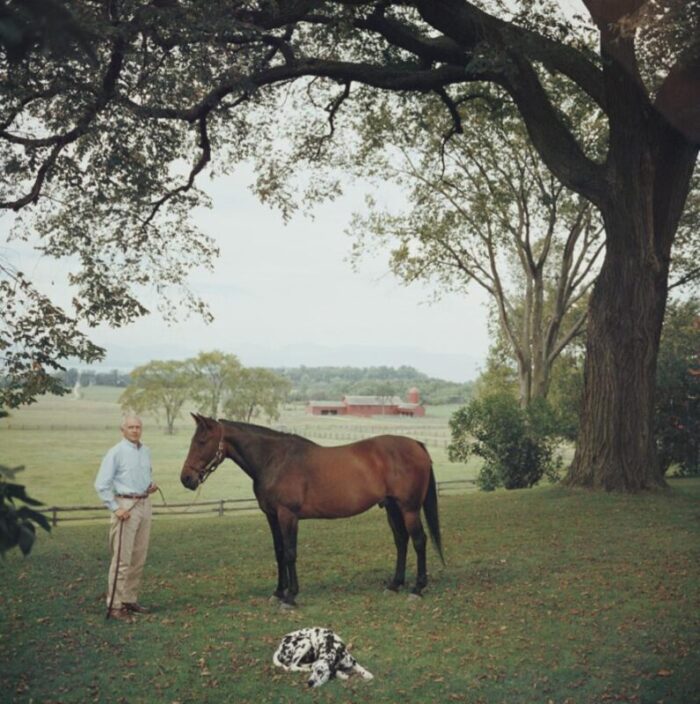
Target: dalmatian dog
{"x":319,"y":651}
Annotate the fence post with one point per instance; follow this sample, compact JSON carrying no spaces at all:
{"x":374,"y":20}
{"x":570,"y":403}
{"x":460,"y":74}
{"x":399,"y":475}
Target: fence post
{"x":221,"y":507}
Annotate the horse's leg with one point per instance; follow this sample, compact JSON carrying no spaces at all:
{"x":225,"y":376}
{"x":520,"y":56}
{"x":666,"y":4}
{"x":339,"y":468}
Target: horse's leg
{"x":289,"y":525}
{"x":393,"y":514}
{"x":415,"y":530}
{"x":279,"y":555}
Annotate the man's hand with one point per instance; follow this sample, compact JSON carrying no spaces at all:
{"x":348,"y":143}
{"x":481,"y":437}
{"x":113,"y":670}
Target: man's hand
{"x":122,"y":514}
{"x":152,"y":488}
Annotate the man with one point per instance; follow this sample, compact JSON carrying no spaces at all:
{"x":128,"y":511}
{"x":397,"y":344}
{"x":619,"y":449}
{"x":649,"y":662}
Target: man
{"x":124,"y":484}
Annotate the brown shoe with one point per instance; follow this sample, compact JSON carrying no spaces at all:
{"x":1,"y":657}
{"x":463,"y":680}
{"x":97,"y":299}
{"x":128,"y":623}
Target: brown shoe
{"x":121,"y":615}
{"x":135,"y":608}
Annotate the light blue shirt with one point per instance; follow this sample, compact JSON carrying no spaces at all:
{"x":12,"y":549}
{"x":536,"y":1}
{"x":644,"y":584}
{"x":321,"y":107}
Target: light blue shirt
{"x":125,"y":469}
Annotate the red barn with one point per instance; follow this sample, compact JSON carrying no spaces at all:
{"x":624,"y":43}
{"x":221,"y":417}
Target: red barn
{"x":370,"y":406}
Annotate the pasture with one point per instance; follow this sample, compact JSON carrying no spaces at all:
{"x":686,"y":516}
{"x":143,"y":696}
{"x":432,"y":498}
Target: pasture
{"x":549,"y":595}
{"x":61,"y":441}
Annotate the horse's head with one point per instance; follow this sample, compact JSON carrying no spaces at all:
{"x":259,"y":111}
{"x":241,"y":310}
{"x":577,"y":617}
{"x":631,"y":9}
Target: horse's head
{"x":206,"y":451}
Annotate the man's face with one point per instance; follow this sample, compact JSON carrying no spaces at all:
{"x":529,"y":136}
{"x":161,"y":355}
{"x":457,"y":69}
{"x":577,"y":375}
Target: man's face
{"x":132,"y":430}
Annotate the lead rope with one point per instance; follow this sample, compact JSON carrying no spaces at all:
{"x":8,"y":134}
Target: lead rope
{"x":166,"y":505}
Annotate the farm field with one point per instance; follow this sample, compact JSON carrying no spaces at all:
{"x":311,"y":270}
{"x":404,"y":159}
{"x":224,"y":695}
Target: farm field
{"x":549,"y":595}
{"x":61,"y":441}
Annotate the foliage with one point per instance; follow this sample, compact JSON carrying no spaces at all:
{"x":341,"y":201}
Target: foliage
{"x":565,"y":392}
{"x":213,"y":375}
{"x":17,"y":523}
{"x":499,"y":376}
{"x":99,"y":377}
{"x":35,"y":335}
{"x":565,"y":385}
{"x":257,"y":392}
{"x":677,"y":417}
{"x":484,"y":211}
{"x":518,"y":445}
{"x":158,"y":387}
{"x":93,"y":140}
{"x":213,"y":381}
{"x":332,"y":383}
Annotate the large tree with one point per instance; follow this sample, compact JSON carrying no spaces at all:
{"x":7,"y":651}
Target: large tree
{"x":92,"y":141}
{"x":485,"y":211}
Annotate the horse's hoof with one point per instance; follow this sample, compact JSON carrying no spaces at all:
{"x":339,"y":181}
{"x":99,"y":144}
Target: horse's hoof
{"x":286,"y":606}
{"x":414,"y":597}
{"x":274,"y":600}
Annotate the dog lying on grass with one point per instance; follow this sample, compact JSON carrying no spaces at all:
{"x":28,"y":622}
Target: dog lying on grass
{"x":319,"y":651}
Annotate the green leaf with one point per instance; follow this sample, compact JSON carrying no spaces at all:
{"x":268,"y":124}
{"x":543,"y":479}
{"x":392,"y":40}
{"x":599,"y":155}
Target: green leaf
{"x":26,"y":537}
{"x":28,"y":514}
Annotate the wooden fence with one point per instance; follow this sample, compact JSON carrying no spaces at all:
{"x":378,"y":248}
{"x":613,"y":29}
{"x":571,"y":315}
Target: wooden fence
{"x":217,"y":507}
{"x":431,"y":436}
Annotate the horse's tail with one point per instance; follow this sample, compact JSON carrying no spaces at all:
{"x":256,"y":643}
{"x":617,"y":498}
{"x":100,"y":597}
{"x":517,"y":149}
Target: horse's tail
{"x":430,"y":509}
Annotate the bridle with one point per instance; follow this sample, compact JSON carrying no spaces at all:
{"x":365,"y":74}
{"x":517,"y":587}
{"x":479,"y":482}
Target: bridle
{"x":215,"y":461}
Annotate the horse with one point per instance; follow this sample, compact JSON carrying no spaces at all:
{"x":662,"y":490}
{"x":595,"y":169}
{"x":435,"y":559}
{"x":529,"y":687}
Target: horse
{"x":295,"y":479}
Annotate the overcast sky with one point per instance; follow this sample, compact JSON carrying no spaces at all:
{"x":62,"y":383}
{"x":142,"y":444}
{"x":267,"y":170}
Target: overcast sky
{"x":285,"y":295}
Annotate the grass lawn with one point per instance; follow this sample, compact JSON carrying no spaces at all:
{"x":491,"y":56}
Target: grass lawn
{"x":549,"y":595}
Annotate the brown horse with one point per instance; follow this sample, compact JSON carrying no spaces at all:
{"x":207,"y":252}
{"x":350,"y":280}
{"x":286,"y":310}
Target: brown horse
{"x":294,"y":478}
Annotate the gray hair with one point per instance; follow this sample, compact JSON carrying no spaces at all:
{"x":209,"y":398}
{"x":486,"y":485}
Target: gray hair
{"x":130,"y":416}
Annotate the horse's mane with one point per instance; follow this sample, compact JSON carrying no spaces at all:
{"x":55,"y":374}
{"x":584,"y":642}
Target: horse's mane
{"x":264,"y":430}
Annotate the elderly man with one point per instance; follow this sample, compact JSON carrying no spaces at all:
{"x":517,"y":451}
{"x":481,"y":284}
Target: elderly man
{"x":124,"y":484}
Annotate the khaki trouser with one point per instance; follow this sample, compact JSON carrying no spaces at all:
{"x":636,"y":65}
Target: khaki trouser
{"x":134,"y":548}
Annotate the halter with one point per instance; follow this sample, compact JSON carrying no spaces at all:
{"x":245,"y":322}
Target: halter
{"x":215,"y":461}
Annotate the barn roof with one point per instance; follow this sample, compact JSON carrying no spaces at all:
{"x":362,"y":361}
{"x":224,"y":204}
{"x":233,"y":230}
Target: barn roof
{"x":372,"y":400}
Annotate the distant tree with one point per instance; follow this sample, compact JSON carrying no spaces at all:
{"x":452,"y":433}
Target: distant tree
{"x":332,"y":383}
{"x":255,"y":392}
{"x":158,"y":387}
{"x":677,"y":417}
{"x":211,"y":374}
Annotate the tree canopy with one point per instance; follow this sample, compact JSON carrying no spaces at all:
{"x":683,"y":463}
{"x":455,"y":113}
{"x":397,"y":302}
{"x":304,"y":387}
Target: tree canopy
{"x":216,"y":383}
{"x":94,"y":136}
{"x":484,"y":210}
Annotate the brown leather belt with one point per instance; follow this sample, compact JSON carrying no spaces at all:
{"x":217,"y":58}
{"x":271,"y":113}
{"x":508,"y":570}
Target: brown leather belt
{"x":131,"y":496}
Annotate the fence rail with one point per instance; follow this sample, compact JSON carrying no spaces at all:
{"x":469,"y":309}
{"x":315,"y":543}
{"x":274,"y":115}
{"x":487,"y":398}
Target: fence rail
{"x":430,"y":435}
{"x":217,"y":507}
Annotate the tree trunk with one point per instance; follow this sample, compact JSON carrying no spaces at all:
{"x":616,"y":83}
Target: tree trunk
{"x":616,"y":449}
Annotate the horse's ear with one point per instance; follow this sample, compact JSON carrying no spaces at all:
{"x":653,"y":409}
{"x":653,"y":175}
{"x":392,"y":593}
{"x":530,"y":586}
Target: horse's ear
{"x":197,"y":418}
{"x":208,"y":422}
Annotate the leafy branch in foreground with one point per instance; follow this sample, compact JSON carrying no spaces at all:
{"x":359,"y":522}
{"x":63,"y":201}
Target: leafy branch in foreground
{"x":17,"y":527}
{"x":35,"y":335}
